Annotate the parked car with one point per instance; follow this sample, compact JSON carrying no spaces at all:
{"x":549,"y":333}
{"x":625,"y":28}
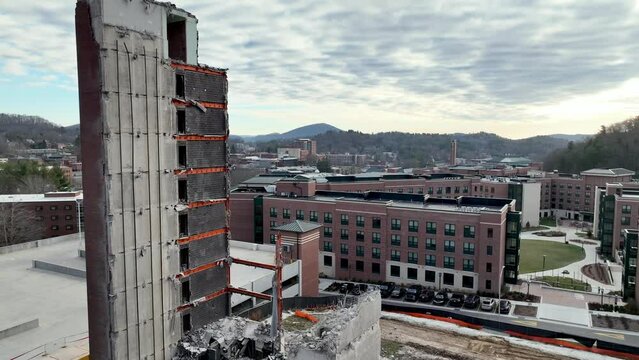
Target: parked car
{"x":504,"y":307}
{"x":414,"y":291}
{"x":359,"y":288}
{"x":410,"y":297}
{"x":441,"y":298}
{"x":472,"y":301}
{"x":398,"y":292}
{"x":456,"y":300}
{"x":386,"y":289}
{"x":488,"y":304}
{"x":426,"y":296}
{"x":346,"y":288}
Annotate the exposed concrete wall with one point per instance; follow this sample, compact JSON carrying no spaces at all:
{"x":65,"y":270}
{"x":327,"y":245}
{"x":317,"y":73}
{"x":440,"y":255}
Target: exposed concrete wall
{"x":531,"y":198}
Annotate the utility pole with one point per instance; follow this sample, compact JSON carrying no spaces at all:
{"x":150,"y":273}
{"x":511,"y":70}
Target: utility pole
{"x":543,"y":267}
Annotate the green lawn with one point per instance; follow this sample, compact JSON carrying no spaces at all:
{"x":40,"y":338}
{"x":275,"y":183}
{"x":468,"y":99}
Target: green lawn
{"x":557,"y":254}
{"x":566,"y":283}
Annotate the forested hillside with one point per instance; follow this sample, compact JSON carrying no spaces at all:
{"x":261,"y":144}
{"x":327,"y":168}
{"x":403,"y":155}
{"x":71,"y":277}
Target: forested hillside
{"x":614,"y":146}
{"x":23,"y":132}
{"x":416,"y":150}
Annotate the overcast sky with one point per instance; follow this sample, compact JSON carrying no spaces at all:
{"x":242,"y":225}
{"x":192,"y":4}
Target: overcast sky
{"x":516,"y":68}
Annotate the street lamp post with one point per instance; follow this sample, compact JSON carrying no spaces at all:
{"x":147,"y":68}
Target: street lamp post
{"x":440,"y":281}
{"x":501,"y":273}
{"x":543,"y":267}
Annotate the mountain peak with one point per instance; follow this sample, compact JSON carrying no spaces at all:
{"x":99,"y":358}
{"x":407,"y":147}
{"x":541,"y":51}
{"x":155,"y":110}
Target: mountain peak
{"x":306,"y":131}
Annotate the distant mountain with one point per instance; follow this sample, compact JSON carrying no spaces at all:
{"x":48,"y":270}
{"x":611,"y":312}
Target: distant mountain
{"x":307,"y":131}
{"x":571,"y":137}
{"x":613,"y":146}
{"x":23,"y":132}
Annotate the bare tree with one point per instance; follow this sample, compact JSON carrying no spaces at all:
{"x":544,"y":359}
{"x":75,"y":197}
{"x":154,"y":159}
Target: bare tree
{"x":18,"y":224}
{"x":35,"y":184}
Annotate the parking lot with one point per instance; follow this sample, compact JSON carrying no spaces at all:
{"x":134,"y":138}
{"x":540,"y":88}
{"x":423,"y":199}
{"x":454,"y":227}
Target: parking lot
{"x":419,"y":294}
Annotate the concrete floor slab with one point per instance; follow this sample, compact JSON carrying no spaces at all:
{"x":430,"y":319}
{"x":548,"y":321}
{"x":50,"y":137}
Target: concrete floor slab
{"x":564,"y":314}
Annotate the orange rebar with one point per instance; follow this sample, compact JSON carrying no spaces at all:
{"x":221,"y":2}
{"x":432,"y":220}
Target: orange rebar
{"x":305,"y":315}
{"x":200,"y":170}
{"x":254,"y":264}
{"x":206,"y":104}
{"x":202,"y":299}
{"x":197,"y":204}
{"x":571,"y":345}
{"x":249,"y":293}
{"x":200,"y":138}
{"x":198,"y":69}
{"x":195,"y":270}
{"x":201,"y":236}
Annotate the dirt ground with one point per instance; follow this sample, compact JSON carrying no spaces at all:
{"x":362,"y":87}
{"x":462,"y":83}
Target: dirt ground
{"x":597,"y":272}
{"x":525,"y":310}
{"x":614,"y":322}
{"x":405,"y":341}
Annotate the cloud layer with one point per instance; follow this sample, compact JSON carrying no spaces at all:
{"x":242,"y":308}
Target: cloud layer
{"x":514,"y":67}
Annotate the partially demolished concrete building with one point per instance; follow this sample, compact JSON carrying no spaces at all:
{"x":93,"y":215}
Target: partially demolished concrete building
{"x":154,"y":129}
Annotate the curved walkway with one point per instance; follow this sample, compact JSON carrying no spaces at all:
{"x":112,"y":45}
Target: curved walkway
{"x":575,"y":268}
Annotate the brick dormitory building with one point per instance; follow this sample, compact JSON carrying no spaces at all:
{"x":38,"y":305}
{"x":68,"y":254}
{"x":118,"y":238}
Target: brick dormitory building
{"x":467,"y":243}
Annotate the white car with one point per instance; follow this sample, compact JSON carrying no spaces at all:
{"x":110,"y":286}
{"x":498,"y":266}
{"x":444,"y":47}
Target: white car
{"x":488,"y":304}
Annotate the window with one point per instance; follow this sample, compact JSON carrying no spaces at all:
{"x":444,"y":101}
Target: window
{"x":343,"y":263}
{"x":272,"y":239}
{"x":69,"y":227}
{"x":179,"y":86}
{"x":328,"y":218}
{"x":396,"y":240}
{"x":328,"y":246}
{"x":328,"y":260}
{"x":312,"y":216}
{"x":67,"y":207}
{"x":632,"y":262}
{"x":38,"y":208}
{"x":54,"y":217}
{"x":68,"y":217}
{"x":489,"y":284}
{"x":510,"y":259}
{"x":465,"y":189}
{"x":376,"y":253}
{"x":182,"y":156}
{"x":469,"y":249}
{"x":359,"y":250}
{"x":430,"y":191}
{"x":412,"y":241}
{"x":625,"y":220}
{"x":359,"y":235}
{"x":449,"y":229}
{"x":429,"y":276}
{"x":456,"y":189}
{"x":53,"y":207}
{"x":377,"y":223}
{"x":412,"y":257}
{"x":439,"y":190}
{"x":299,"y":214}
{"x":489,"y":250}
{"x":286,"y":213}
{"x":273,"y":224}
{"x":449,"y":245}
{"x":394,"y":270}
{"x":469,"y":231}
{"x":469,"y":265}
{"x":447,"y":189}
{"x":343,"y":249}
{"x":54,"y":227}
{"x":359,"y":265}
{"x":377,"y":238}
{"x":413,"y":225}
{"x":39,"y":218}
{"x":375,"y":268}
{"x":273,"y":212}
{"x":489,"y":267}
{"x":182,"y":191}
{"x":344,"y":219}
{"x":359,"y":221}
{"x":396,"y":224}
{"x":431,"y":260}
{"x":411,"y":273}
{"x":449,"y":262}
{"x":431,"y":228}
{"x":626,"y":209}
{"x":343,"y":234}
{"x":489,"y":233}
{"x":395,"y":255}
{"x":328,"y":232}
{"x":468,"y":282}
{"x":431,"y":244}
{"x":184,"y":258}
{"x":181,"y":121}
{"x":449,"y":279}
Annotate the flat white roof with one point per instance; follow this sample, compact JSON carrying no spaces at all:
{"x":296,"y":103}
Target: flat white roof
{"x":14,"y":198}
{"x":242,"y":274}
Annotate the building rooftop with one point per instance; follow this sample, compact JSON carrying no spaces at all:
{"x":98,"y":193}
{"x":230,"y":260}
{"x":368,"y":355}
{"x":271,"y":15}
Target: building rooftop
{"x":298,"y":226}
{"x":50,"y":196}
{"x":461,"y":204}
{"x":608,"y":172}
